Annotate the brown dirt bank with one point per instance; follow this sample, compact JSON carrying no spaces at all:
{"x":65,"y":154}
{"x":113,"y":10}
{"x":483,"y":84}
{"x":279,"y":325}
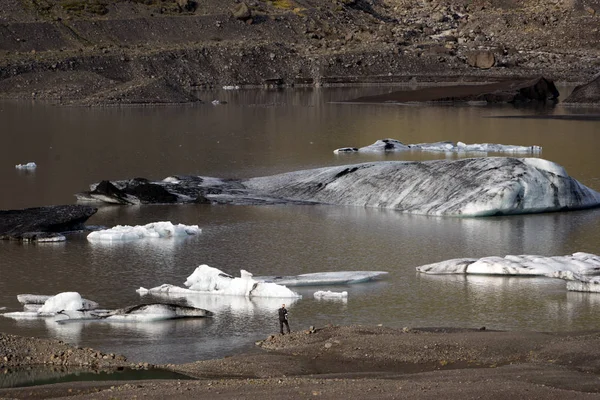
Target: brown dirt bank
{"x":113,"y":51}
{"x":377,"y":362}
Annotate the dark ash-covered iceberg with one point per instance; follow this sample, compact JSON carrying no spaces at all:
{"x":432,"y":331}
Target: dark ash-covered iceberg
{"x":467,"y":187}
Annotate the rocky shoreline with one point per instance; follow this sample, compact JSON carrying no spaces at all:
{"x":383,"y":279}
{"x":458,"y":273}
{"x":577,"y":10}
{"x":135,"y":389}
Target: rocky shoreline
{"x":371,"y":361}
{"x":114,"y":52}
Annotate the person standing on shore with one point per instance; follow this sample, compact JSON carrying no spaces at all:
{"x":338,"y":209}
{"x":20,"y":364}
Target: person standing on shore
{"x":283,"y":319}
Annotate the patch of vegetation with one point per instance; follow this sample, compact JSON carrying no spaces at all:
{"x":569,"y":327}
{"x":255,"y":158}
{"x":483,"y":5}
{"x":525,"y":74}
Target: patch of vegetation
{"x":283,"y":4}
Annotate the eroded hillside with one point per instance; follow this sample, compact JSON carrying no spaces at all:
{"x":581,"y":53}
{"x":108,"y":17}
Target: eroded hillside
{"x":106,"y":51}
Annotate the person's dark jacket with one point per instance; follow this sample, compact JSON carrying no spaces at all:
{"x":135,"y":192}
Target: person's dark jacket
{"x":283,"y":314}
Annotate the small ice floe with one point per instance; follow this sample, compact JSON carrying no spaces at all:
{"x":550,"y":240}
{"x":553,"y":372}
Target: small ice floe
{"x":137,"y":313}
{"x":324,"y":278}
{"x":211,"y":280}
{"x":30,"y":165}
{"x":329,"y":295}
{"x":393,"y":145}
{"x":37,"y":306}
{"x":40,"y":299}
{"x":151,"y":230}
{"x":564,"y":267}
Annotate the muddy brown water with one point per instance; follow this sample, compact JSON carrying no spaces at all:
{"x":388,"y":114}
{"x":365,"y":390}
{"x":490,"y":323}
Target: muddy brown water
{"x":265,"y":132}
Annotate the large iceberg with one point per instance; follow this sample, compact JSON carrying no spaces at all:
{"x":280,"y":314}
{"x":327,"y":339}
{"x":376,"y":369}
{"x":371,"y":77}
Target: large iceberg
{"x":162,"y":229}
{"x":472,"y":187}
{"x":393,"y":145}
{"x":206,"y":279}
{"x":567,"y":267}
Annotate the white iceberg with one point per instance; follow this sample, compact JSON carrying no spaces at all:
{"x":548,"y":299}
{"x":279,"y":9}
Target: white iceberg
{"x":321,"y":294}
{"x":324,"y":278}
{"x":566,"y":267}
{"x":211,"y":280}
{"x":239,"y":305}
{"x":163,"y":229}
{"x":393,"y":145}
{"x":29,"y":165}
{"x":62,"y":301}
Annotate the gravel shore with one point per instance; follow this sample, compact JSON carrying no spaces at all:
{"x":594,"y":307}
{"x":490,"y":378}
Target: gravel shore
{"x":365,"y":361}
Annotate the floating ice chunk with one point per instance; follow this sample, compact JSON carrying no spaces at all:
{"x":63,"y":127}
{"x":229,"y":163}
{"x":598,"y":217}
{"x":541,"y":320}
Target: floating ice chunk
{"x":166,"y":288}
{"x":578,"y":283}
{"x":324,"y":278}
{"x":151,"y":230}
{"x":206,"y":279}
{"x":390,"y":145}
{"x":346,"y":150}
{"x":62,"y":301}
{"x":40,"y":300}
{"x":26,"y":315}
{"x":29,"y":165}
{"x":138,"y":313}
{"x":52,"y":239}
{"x":32,"y":298}
{"x":212,"y":280}
{"x":565,"y":267}
{"x":330,"y":295}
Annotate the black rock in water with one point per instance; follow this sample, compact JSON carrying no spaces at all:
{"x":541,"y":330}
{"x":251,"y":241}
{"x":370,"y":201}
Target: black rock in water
{"x":43,"y":222}
{"x":509,"y":91}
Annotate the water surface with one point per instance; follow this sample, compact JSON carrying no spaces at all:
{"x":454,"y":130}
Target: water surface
{"x":265,"y":132}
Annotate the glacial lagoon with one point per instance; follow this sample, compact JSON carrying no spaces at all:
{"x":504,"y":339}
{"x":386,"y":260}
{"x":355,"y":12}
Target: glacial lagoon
{"x":258,"y":133}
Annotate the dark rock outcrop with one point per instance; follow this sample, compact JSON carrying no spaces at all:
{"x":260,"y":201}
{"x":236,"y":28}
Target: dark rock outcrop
{"x":512,"y":91}
{"x":43,"y":222}
{"x":135,"y":191}
{"x":588,"y":93}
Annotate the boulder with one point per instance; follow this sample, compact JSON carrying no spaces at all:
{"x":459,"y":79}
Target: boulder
{"x":509,"y":91}
{"x":588,"y":93}
{"x":483,"y":59}
{"x":41,"y":222}
{"x":242,"y":12}
{"x":187,"y":5}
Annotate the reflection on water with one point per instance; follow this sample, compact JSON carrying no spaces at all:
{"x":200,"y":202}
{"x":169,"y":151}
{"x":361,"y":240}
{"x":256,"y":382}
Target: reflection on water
{"x":266,"y":132}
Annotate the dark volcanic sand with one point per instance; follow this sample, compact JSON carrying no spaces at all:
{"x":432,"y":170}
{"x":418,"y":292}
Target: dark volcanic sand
{"x":376,"y":362}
